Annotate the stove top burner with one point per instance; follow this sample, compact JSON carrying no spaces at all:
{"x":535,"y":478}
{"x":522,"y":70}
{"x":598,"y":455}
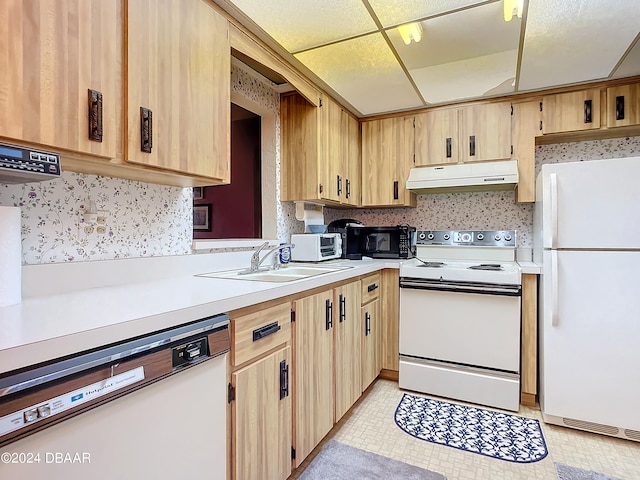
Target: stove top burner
{"x":432,"y":264}
{"x":487,"y":266}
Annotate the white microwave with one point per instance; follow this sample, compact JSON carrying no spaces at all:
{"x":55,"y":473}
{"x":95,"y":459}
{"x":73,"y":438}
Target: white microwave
{"x":315,"y":247}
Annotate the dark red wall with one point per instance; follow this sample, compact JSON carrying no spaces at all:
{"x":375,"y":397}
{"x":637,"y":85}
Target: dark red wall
{"x":237,"y":208}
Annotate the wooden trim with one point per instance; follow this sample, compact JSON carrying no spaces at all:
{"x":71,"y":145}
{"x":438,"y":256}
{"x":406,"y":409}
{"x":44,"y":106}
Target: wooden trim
{"x":386,"y":374}
{"x":529,"y":377}
{"x":244,"y":43}
{"x":528,"y":400}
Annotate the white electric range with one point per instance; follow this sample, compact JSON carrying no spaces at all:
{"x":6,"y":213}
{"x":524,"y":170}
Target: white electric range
{"x":460,"y":302}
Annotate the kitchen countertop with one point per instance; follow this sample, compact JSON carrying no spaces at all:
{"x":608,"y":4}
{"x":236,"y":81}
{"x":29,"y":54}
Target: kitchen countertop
{"x":529,"y":268}
{"x":44,"y":327}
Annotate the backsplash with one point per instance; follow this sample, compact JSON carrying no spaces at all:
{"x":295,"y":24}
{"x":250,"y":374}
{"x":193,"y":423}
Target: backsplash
{"x":489,"y":210}
{"x":140,"y":219}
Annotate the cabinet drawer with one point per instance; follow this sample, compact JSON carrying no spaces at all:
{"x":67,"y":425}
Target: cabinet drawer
{"x":256,"y":333}
{"x":370,"y":287}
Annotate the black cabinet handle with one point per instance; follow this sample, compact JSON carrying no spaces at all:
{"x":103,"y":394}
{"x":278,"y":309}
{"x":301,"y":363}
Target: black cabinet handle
{"x":448,"y":147}
{"x":472,"y":146}
{"x":396,"y":193}
{"x":265,"y":331}
{"x":95,"y":115}
{"x":588,"y":111}
{"x":348,"y":188}
{"x":339,"y":182}
{"x":146,"y":130}
{"x":367,"y":324}
{"x":343,"y":308}
{"x":372,"y":287}
{"x":620,"y":107}
{"x":284,"y":379}
{"x":328,"y":314}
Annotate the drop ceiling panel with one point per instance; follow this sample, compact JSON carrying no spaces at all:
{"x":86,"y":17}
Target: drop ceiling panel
{"x":301,"y":24}
{"x":476,"y":32}
{"x":365,"y":72}
{"x":575,"y":41}
{"x":489,"y":75}
{"x":630,"y":66}
{"x":396,"y":12}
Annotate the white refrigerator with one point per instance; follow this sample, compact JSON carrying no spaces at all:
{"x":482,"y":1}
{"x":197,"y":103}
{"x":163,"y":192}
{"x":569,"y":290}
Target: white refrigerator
{"x":587,"y":239}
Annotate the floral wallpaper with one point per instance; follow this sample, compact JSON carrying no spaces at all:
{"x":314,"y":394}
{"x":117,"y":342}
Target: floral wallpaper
{"x":489,"y":210}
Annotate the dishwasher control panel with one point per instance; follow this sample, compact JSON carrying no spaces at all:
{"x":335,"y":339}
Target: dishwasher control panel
{"x":189,"y":353}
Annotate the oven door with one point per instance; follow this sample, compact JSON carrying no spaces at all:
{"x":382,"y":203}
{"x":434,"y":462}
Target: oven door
{"x":464,"y":323}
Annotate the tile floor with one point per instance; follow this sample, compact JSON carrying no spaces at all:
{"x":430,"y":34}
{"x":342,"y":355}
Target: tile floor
{"x":370,"y":426}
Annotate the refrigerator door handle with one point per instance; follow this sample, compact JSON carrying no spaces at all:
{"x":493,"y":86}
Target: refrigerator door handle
{"x":554,"y":288}
{"x":553,"y":197}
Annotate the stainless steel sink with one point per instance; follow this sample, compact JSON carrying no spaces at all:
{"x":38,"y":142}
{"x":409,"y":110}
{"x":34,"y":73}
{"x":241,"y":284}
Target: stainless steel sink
{"x":285,"y":274}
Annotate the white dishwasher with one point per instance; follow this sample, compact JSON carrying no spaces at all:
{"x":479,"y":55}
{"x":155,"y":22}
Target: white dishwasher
{"x":150,"y":407}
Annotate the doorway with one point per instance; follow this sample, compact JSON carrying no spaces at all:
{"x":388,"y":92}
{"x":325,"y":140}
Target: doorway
{"x":236,"y":209}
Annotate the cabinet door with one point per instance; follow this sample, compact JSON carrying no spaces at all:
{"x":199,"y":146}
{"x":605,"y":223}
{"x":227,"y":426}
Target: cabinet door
{"x":371,"y":343}
{"x":387,"y":155}
{"x":332,"y":160}
{"x":351,"y":147}
{"x":261,"y":419}
{"x":623,"y":105}
{"x":52,"y":53}
{"x":300,"y":126}
{"x":314,"y":401}
{"x":525,"y":124}
{"x":347,"y":347}
{"x":571,"y":112}
{"x":437,"y":137}
{"x":178,"y":67}
{"x":485,"y":132}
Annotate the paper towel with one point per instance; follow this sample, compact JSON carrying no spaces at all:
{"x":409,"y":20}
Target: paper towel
{"x":10,"y":256}
{"x":310,"y":214}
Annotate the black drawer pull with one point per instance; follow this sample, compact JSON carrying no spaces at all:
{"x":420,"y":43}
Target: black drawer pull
{"x":396,"y":193}
{"x":620,"y":107}
{"x":146,"y":130}
{"x":372,"y":287}
{"x":448,"y":147}
{"x":328,"y":314}
{"x":284,"y":379}
{"x":265,"y":331}
{"x":95,"y":115}
{"x":472,"y":146}
{"x":588,"y":111}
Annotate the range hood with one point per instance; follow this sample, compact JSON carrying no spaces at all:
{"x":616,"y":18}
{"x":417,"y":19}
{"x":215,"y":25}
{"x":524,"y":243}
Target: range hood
{"x":500,"y":175}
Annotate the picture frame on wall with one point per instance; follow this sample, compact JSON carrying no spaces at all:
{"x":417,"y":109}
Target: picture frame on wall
{"x":198,"y":193}
{"x":202,"y":218}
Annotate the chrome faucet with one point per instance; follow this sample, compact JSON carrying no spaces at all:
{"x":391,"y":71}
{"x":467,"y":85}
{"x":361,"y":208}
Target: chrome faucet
{"x":256,"y":261}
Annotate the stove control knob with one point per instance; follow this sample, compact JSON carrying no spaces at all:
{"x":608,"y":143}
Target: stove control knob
{"x":421,"y":236}
{"x":446,"y":236}
{"x":480,"y":236}
{"x":430,"y":236}
{"x":497,"y":238}
{"x":507,"y":237}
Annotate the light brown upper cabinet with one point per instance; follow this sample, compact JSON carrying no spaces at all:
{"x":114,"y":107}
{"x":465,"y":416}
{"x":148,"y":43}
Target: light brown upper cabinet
{"x":319,"y":160}
{"x":623,"y":105}
{"x":525,"y":127}
{"x":475,"y":133}
{"x":178,"y":88}
{"x":52,"y":54}
{"x":387,"y":156}
{"x":571,"y":112}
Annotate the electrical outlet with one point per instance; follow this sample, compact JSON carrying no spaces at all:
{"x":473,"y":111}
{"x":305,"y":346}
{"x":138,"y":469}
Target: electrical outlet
{"x":88,"y":229}
{"x":101,"y":229}
{"x":101,"y":220}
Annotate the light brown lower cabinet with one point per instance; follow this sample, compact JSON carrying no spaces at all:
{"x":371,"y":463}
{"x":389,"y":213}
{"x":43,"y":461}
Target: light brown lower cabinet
{"x":313,"y":378}
{"x":261,"y":415}
{"x":529,"y":354}
{"x":371,"y":343}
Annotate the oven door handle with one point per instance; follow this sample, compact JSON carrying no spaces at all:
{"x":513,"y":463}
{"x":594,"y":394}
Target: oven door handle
{"x":462,"y":287}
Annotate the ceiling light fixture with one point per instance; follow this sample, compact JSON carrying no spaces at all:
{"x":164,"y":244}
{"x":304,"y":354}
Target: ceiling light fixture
{"x":410,"y":31}
{"x":511,"y":7}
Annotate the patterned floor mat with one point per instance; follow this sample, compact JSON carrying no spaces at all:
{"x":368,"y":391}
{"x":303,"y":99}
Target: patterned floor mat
{"x":486,"y":432}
